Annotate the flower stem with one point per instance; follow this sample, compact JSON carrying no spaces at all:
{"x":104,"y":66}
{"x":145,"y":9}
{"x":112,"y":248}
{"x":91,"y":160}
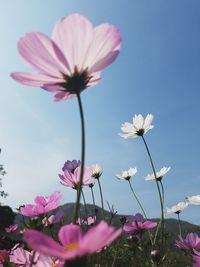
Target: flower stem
{"x":100,"y":190}
{"x":179,"y":224}
{"x":76,"y":209}
{"x":159,"y":192}
{"x":139,"y":203}
{"x":86,"y":214}
{"x":93,"y":200}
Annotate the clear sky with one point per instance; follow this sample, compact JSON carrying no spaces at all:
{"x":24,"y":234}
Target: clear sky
{"x":157,"y":71}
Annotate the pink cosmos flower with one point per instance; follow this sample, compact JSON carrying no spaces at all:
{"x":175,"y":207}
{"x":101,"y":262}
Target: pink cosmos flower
{"x":55,"y":218}
{"x":71,"y":165}
{"x":72,"y":59}
{"x":71,"y":179}
{"x":42,"y":205}
{"x":3,"y":256}
{"x":11,"y":228}
{"x":73,"y":243}
{"x":23,"y":257}
{"x":192,"y":241}
{"x":196,"y":257}
{"x":138,"y":224}
{"x":89,"y":221}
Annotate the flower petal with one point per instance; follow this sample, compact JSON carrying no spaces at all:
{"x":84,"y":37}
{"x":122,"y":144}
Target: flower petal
{"x":42,"y":243}
{"x":73,"y":34}
{"x":69,"y":234}
{"x":104,"y":48}
{"x":39,"y":51}
{"x":35,"y":79}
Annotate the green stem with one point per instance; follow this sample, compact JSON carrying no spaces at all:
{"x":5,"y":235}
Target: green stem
{"x":100,"y":190}
{"x":76,"y":209}
{"x":86,"y":214}
{"x":93,"y":200}
{"x":179,"y":224}
{"x":135,"y":196}
{"x":159,"y":192}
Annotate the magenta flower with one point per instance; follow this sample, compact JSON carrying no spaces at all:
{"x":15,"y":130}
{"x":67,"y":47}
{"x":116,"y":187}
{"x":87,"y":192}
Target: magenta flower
{"x":192,"y":241}
{"x":11,"y":228}
{"x":73,"y":243}
{"x":196,"y":257}
{"x":72,"y":59}
{"x":138,"y":224}
{"x":42,"y":205}
{"x":71,"y":179}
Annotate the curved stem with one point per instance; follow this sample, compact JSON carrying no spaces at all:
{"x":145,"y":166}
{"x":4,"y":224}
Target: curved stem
{"x":76,"y":209}
{"x":159,"y":192}
{"x":100,"y":190}
{"x":163,"y":192}
{"x":179,"y":224}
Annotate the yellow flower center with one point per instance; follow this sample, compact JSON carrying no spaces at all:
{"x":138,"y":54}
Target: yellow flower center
{"x":71,"y":247}
{"x":54,"y":264}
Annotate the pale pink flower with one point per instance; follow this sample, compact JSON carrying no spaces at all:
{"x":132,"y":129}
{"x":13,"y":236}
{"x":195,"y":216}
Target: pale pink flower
{"x":42,"y":205}
{"x":72,"y":59}
{"x":3,"y":256}
{"x":73,"y":243}
{"x":192,"y":241}
{"x":71,"y":179}
{"x":11,"y":228}
{"x":23,"y":257}
{"x":55,"y":218}
{"x":89,"y":221}
{"x":138,"y":224}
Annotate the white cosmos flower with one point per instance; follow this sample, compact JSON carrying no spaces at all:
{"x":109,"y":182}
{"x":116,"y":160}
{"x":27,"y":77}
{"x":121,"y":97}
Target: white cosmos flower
{"x":139,"y":126}
{"x":177,"y":208}
{"x":159,"y":174}
{"x":193,"y":200}
{"x":126,"y":175}
{"x":96,"y":171}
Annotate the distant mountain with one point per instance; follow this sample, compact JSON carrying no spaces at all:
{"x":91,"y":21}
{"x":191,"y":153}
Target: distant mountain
{"x":171,"y":225}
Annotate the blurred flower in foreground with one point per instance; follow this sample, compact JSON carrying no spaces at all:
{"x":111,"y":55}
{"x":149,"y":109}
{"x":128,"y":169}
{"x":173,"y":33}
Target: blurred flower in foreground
{"x":126,"y":175}
{"x":73,"y":243}
{"x":139,"y":127}
{"x":72,"y":59}
{"x":71,"y":179}
{"x":193,"y":200}
{"x":42,"y":205}
{"x":159,"y":175}
{"x":3,"y":256}
{"x":192,"y":241}
{"x":138,"y":224}
{"x":177,"y":208}
{"x":196,"y":257}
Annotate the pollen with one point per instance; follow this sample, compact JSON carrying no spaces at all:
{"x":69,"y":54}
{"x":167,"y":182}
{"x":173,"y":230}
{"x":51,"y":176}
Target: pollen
{"x":71,"y":247}
{"x":54,"y":264}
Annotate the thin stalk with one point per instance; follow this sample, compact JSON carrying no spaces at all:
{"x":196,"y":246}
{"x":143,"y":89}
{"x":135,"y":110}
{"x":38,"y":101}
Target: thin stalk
{"x":143,"y":211}
{"x":76,"y":209}
{"x":86,"y":214}
{"x":137,"y":199}
{"x":159,"y":192}
{"x":32,"y":259}
{"x":93,"y":200}
{"x":100,"y":190}
{"x":179,"y":224}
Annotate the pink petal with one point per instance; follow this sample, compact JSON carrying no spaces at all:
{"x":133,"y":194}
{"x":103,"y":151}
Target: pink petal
{"x":39,"y":51}
{"x":35,"y":79}
{"x":42,"y":243}
{"x":61,"y":96}
{"x":104,"y":48}
{"x":73,"y":35}
{"x":40,"y":200}
{"x":69,"y":234}
{"x":27,"y":210}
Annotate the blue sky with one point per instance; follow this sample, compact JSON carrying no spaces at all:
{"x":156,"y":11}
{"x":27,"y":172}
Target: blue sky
{"x":156,"y":72}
